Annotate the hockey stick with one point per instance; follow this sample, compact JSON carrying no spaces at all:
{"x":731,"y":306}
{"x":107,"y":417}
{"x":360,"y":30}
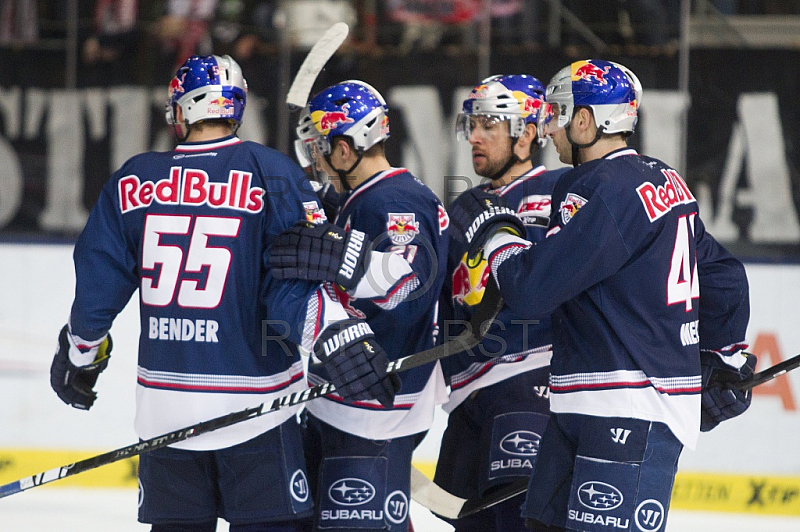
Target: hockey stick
{"x":445,"y":504}
{"x":479,"y":324}
{"x":770,"y":373}
{"x":320,"y":53}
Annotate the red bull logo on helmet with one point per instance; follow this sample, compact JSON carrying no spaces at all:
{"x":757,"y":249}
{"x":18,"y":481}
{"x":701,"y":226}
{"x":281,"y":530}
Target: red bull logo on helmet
{"x":528,"y":104}
{"x":176,"y":85}
{"x":479,"y":92}
{"x":325,"y":121}
{"x":221,"y":107}
{"x":584,"y":70}
{"x":402,"y":227}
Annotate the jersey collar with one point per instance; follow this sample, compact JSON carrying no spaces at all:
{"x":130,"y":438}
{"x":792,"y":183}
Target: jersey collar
{"x":372,"y":181}
{"x":208,"y":145}
{"x":621,"y":153}
{"x":533,"y":172}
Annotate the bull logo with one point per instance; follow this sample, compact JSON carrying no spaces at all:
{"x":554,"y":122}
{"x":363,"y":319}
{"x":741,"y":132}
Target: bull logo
{"x":325,"y":121}
{"x":402,"y":227}
{"x":588,"y":71}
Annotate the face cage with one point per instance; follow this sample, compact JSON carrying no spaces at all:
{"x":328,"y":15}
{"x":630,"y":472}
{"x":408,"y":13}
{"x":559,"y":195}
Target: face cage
{"x":464,"y":124}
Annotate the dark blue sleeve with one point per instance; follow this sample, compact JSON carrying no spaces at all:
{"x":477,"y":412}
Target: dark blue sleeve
{"x":105,"y":268}
{"x":724,"y":293}
{"x":585,"y":251}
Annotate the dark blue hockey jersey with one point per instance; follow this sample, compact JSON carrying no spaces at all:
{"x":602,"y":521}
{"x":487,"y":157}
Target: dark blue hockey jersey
{"x":399,"y":215}
{"x":512,"y":346}
{"x":191,"y":229}
{"x":635,"y":286}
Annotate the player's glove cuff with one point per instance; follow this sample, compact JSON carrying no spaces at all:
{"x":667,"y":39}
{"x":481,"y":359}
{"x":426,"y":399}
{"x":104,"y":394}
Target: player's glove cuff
{"x":356,"y":363}
{"x":72,"y":383}
{"x":479,"y":215}
{"x":320,"y":253}
{"x":721,"y":398}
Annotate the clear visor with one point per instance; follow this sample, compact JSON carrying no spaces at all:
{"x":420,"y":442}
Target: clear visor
{"x":467,"y":124}
{"x":552,"y":118}
{"x":307,"y":150}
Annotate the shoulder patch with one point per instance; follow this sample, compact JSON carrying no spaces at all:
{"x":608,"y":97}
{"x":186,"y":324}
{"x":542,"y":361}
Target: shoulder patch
{"x":444,"y":219}
{"x":402,"y":227}
{"x":570,"y":207}
{"x":314,"y":212}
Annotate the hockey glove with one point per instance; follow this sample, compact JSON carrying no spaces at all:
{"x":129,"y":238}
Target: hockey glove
{"x":478,"y":215}
{"x":75,"y":384}
{"x":320,"y":253}
{"x":720,"y":398}
{"x":356,"y":363}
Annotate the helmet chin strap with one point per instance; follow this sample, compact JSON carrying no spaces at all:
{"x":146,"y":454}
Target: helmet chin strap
{"x":511,"y":161}
{"x":576,"y":146}
{"x":344,"y":173}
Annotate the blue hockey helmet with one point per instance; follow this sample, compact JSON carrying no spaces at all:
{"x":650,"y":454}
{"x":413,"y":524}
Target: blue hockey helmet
{"x":610,"y":90}
{"x":517,"y":98}
{"x":208,"y":88}
{"x":351,"y":109}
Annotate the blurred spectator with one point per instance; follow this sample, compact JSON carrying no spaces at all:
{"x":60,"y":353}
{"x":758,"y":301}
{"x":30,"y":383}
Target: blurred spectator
{"x":425,"y":22}
{"x":19,"y":22}
{"x":113,"y":43}
{"x":243,"y":28}
{"x":307,"y":20}
{"x":183,"y":30}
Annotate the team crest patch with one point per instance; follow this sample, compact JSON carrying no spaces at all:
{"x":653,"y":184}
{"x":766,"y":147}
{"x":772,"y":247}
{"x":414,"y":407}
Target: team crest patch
{"x":314,"y":212}
{"x":570,"y":207}
{"x":402,"y":227}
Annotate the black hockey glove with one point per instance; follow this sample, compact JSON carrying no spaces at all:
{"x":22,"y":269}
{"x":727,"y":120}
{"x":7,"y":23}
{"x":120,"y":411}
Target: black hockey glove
{"x":720,"y":398}
{"x":320,"y":253}
{"x":75,"y":385}
{"x":478,"y":215}
{"x":356,"y":363}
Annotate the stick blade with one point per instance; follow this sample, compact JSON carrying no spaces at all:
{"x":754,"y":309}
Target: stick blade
{"x":434,"y":498}
{"x":320,"y":53}
{"x":474,"y":506}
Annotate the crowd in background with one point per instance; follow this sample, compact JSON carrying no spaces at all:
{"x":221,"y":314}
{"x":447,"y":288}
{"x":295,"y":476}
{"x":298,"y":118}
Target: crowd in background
{"x":119,"y":39}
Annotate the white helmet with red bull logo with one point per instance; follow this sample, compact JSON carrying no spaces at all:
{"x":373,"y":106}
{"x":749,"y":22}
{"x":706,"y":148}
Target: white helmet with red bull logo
{"x":610,"y":90}
{"x":351,"y":109}
{"x":517,"y":98}
{"x":208,"y":88}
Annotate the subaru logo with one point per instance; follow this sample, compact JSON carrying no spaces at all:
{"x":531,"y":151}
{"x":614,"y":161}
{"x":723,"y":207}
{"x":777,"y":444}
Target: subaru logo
{"x":521,"y":443}
{"x":599,"y":496}
{"x":351,"y":492}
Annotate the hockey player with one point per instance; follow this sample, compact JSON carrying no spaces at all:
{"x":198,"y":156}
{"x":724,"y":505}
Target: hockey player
{"x":191,"y":229}
{"x":498,"y":404}
{"x":637,"y":288}
{"x":385,"y":258}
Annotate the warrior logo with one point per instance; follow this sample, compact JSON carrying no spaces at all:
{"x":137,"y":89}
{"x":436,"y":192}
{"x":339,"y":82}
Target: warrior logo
{"x":649,"y":516}
{"x":396,"y":507}
{"x":351,"y":492}
{"x":298,"y":486}
{"x":402,"y":227}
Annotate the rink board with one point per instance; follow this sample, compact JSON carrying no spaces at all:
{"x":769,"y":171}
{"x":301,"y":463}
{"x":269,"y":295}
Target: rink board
{"x":749,"y":464}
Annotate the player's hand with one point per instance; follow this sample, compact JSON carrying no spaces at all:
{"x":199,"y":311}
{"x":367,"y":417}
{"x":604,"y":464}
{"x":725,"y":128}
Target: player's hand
{"x":319,"y":253}
{"x":720,"y":398}
{"x":479,"y":215}
{"x":73,"y":384}
{"x":356,"y":363}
